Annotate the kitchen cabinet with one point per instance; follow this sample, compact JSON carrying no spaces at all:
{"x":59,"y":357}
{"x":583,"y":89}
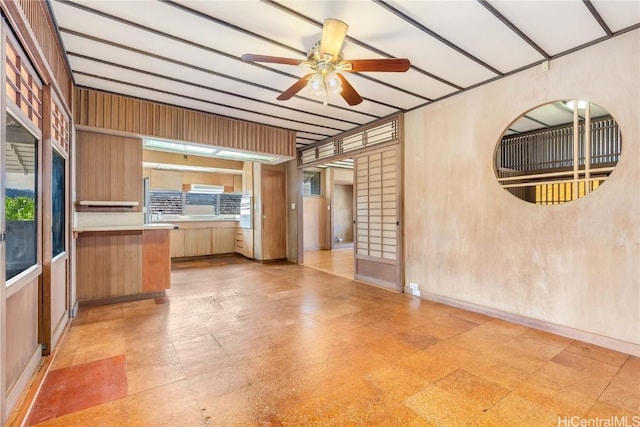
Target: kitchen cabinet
{"x":244,"y":242}
{"x":201,"y":238}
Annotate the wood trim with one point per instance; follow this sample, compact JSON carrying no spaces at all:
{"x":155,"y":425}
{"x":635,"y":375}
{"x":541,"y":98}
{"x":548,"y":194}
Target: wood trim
{"x":46,"y":196}
{"x":3,"y":290}
{"x":134,"y":116}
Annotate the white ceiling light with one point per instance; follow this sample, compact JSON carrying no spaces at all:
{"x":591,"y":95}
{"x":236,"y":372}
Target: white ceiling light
{"x":204,"y":151}
{"x":187,"y":168}
{"x":572,"y":105}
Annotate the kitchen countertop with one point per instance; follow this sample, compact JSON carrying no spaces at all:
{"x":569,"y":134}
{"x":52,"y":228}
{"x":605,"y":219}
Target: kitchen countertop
{"x":154,"y":226}
{"x":198,"y":218}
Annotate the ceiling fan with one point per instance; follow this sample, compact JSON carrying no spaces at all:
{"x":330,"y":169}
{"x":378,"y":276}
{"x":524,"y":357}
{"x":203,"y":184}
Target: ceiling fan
{"x":326,"y":60}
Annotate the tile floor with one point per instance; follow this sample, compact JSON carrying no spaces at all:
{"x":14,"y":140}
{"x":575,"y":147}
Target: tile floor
{"x":236,"y":343}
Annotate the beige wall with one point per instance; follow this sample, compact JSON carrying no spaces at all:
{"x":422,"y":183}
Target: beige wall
{"x":573,"y":268}
{"x":343,"y":212}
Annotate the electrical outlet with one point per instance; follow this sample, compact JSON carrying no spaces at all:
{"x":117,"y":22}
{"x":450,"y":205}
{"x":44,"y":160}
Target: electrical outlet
{"x":413,"y":286}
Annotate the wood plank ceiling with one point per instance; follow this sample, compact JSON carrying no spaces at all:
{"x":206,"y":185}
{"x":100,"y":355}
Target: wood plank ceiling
{"x":187,"y":53}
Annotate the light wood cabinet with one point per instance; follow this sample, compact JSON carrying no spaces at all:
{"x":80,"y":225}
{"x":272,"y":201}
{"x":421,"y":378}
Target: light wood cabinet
{"x":113,"y":264}
{"x":203,"y":238}
{"x":109,"y":169}
{"x":244,"y":242}
{"x":177,"y":243}
{"x":247,"y":243}
{"x":223,"y":240}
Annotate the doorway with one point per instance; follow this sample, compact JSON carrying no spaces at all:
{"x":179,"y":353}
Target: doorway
{"x":328,"y":221}
{"x":375,"y":173}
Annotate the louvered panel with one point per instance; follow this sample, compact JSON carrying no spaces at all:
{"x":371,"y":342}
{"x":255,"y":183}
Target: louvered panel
{"x":59,"y":126}
{"x":382,"y":132}
{"x":23,"y":85}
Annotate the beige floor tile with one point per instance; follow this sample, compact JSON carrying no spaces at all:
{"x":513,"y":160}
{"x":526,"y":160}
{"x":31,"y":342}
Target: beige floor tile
{"x":586,"y":364}
{"x":443,"y":408}
{"x":516,"y":410}
{"x":397,"y":382}
{"x":605,"y":355}
{"x":471,"y":387}
{"x":604,"y":410}
{"x":146,"y":378}
{"x":428,"y":366}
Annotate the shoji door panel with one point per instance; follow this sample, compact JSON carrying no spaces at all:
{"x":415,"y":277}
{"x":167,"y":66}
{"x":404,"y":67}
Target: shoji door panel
{"x":378,"y":236}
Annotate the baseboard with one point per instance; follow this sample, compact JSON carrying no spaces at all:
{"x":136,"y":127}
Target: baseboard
{"x":119,"y":299}
{"x":59,"y":330}
{"x":566,"y":331}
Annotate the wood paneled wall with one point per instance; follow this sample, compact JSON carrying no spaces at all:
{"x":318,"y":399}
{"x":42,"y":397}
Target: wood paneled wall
{"x":315,"y":224}
{"x":109,"y":265}
{"x":109,"y":168}
{"x":119,"y":113}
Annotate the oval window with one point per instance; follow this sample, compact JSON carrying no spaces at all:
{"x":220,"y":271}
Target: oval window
{"x":546,"y":157}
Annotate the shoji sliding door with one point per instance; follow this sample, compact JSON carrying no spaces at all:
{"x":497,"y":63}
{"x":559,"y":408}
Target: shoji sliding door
{"x":378,"y":214}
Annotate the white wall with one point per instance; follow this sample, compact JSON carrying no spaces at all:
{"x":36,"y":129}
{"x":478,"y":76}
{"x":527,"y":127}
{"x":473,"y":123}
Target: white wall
{"x":573,"y":268}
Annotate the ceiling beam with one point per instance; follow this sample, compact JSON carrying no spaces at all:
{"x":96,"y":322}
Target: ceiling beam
{"x":597,"y":16}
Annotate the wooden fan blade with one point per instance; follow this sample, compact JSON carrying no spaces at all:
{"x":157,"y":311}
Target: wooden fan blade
{"x":248,"y":57}
{"x":295,"y":88}
{"x":348,"y":92}
{"x":333,"y":34}
{"x":391,"y":65}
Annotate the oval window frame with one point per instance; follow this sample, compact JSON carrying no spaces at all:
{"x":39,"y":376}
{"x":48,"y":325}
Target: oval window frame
{"x":543,"y":176}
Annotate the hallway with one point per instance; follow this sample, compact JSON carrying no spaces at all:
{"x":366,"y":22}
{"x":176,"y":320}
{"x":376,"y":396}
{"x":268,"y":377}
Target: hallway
{"x":242,"y":343}
{"x":338,"y":262}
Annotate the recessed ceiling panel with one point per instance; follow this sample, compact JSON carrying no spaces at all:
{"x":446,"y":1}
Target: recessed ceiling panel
{"x":471,"y":27}
{"x":618,"y":14}
{"x":555,"y":26}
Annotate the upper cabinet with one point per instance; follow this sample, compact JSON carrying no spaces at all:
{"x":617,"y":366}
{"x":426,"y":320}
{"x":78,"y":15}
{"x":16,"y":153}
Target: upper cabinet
{"x":109,"y":170}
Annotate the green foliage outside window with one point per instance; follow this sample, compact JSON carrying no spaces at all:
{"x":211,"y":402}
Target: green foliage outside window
{"x":20,"y":208}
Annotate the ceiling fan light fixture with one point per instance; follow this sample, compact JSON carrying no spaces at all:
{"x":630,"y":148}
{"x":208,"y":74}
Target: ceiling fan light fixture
{"x":316,"y":83}
{"x":334,"y":32}
{"x":333,"y":82}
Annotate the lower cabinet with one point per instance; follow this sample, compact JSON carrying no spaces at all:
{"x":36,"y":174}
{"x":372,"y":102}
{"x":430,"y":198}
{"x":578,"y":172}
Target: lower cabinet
{"x":244,"y":242}
{"x":199,"y":239}
{"x":115,"y":264}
